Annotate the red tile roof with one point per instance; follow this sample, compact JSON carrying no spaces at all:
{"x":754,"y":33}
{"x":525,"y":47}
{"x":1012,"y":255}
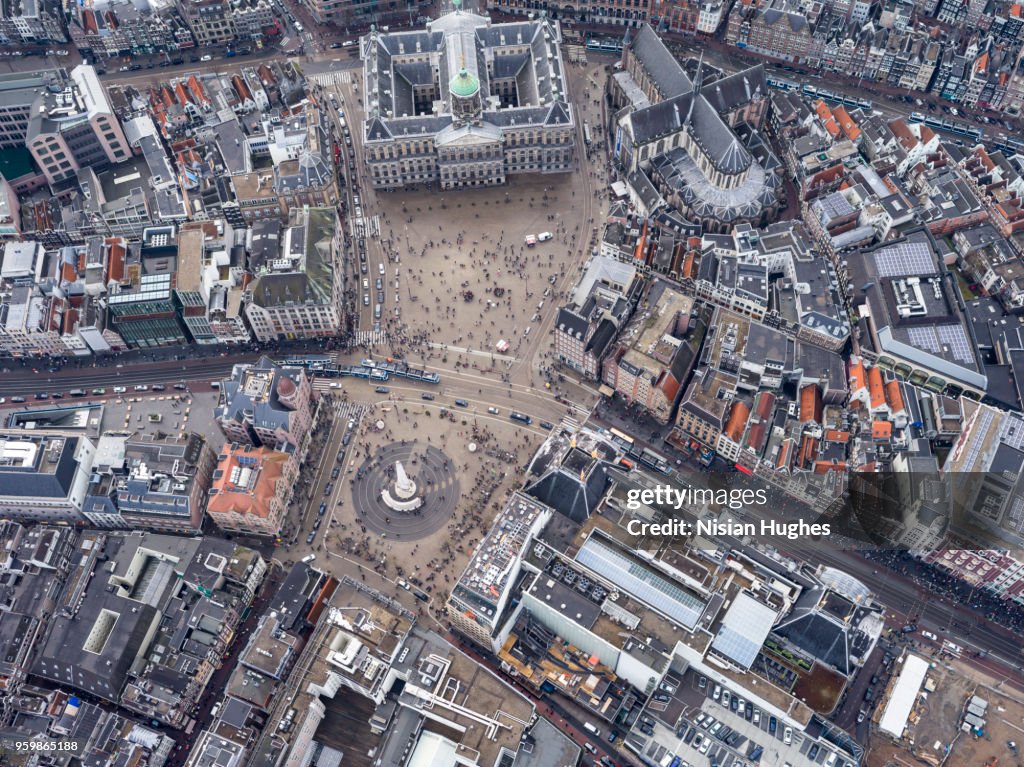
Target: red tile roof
{"x":876,"y":387}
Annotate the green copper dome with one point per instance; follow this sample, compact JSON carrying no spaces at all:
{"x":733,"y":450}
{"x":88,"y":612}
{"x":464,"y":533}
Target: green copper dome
{"x":464,"y":84}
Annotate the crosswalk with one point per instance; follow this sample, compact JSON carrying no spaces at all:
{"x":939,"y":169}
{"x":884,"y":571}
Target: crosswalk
{"x":371,"y":337}
{"x":570,"y":425}
{"x":374,"y":227}
{"x":340,"y":77}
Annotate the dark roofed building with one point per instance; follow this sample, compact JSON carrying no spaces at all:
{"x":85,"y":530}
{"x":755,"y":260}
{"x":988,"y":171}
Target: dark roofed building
{"x":697,"y":142}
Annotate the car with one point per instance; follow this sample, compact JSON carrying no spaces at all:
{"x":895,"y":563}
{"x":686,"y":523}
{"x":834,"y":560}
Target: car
{"x":690,"y":733}
{"x":366,"y":299}
{"x":661,"y":697}
{"x":547,"y":425}
{"x":493,"y":410}
{"x":544,"y":236}
{"x":316,"y":523}
{"x":773,"y":724}
{"x":726,"y":697}
{"x":207,"y":57}
{"x":17,"y":399}
{"x":381,"y":389}
{"x":98,"y":391}
{"x":700,"y":718}
{"x":135,"y":67}
{"x":42,"y":395}
{"x":702,"y":682}
{"x":734,"y":704}
{"x":335,"y":472}
{"x":861,"y":716}
{"x":874,"y":679}
{"x":716,"y":728}
{"x":427,"y":396}
{"x":158,"y":387}
{"x":323,"y":506}
{"x":830,"y":759}
{"x":787,"y":735}
{"x":141,"y":387}
{"x":366,"y":283}
{"x":57,"y":395}
{"x":717,"y":693}
{"x":757,"y":717}
{"x":755,"y":753}
{"x":334,"y":46}
{"x":461,"y":403}
{"x":613,"y":736}
{"x":120,"y":389}
{"x":929,"y":635}
{"x":869,"y":694}
{"x":380,"y":269}
{"x":362,"y":267}
{"x":179,"y":386}
{"x":328,"y":488}
{"x":708,"y":723}
{"x":380,"y":296}
{"x":311,"y":537}
{"x":705,"y":746}
{"x":379,"y":283}
{"x":812,"y":753}
{"x":698,"y":739}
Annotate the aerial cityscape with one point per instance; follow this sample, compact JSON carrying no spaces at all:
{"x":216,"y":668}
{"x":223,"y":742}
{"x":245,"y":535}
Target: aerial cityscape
{"x":518,"y":383}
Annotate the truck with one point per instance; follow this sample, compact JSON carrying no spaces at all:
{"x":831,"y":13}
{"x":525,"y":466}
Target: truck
{"x":530,"y":240}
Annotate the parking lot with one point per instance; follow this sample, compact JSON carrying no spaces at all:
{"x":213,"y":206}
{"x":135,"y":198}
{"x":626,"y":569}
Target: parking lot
{"x":707,"y":725}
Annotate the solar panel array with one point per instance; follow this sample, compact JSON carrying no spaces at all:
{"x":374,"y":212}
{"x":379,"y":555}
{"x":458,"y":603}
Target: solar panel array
{"x":955,"y":338}
{"x":934,"y":339}
{"x":905,"y":259}
{"x":744,"y":628}
{"x":641,"y":582}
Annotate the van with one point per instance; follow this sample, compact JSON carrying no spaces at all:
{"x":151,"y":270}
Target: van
{"x":376,"y":312}
{"x":544,"y":236}
{"x":590,"y":748}
{"x":592,"y":729}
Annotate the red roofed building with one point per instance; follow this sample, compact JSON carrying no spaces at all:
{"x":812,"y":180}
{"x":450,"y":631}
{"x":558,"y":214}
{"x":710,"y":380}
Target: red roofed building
{"x":732,"y":435}
{"x":877,"y":390}
{"x":251,"y":489}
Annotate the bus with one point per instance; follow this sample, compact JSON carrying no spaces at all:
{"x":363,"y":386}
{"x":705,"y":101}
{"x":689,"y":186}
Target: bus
{"x":782,"y":84}
{"x":621,"y":438}
{"x":653,"y":461}
{"x":1009,"y":144}
{"x":857,"y":103}
{"x":604,"y":46}
{"x":521,"y":417}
